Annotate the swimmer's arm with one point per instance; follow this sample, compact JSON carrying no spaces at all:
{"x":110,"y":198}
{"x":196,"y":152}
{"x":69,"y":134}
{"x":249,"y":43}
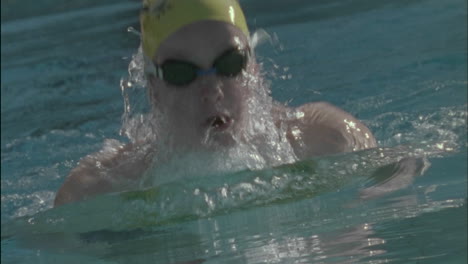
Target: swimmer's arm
{"x":102,"y":172}
{"x":324,"y":129}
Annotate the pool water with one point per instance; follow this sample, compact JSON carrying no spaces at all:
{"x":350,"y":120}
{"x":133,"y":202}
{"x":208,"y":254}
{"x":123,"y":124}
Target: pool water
{"x":400,"y":66}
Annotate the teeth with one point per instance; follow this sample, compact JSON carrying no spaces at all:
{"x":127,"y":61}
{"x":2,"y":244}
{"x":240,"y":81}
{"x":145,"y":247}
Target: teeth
{"x":218,"y":121}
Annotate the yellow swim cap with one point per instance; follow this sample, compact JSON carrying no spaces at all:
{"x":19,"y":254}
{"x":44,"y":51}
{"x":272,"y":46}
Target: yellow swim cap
{"x":161,"y":18}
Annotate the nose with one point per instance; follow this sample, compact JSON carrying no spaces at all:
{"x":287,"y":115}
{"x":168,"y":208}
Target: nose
{"x":212,"y":89}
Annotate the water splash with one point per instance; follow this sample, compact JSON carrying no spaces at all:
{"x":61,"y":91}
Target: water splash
{"x":440,"y":131}
{"x":133,"y":31}
{"x":273,"y":70}
{"x":137,"y":119}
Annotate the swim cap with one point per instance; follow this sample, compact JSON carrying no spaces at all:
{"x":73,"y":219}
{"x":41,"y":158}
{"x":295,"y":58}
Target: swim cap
{"x":160,"y":18}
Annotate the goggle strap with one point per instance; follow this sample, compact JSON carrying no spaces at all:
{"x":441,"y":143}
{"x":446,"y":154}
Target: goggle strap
{"x":149,"y":67}
{"x":159,"y":73}
{"x":152,"y":69}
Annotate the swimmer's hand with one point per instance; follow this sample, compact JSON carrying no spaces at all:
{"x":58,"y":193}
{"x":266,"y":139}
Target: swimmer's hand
{"x":393,"y":177}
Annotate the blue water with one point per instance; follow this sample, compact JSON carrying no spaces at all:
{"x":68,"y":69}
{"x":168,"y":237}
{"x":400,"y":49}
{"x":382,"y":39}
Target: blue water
{"x":400,"y":66}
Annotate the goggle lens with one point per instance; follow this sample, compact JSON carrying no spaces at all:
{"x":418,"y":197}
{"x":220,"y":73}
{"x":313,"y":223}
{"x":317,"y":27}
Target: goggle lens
{"x":230,"y":63}
{"x":181,"y":73}
{"x":178,"y":73}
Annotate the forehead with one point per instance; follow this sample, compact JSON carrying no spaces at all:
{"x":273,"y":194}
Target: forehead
{"x":200,"y":40}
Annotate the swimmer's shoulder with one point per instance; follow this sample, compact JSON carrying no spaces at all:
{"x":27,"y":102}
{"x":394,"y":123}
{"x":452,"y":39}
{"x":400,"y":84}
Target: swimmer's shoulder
{"x":112,"y":168}
{"x":321,"y":128}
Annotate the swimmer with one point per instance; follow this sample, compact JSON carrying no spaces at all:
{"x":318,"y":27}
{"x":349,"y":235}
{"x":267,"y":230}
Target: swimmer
{"x":202,"y":76}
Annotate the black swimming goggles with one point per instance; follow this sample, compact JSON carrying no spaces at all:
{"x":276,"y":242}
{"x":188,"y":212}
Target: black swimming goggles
{"x":179,"y":73}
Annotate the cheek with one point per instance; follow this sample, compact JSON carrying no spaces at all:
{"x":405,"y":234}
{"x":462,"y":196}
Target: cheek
{"x":179,"y":103}
{"x":237,"y":93}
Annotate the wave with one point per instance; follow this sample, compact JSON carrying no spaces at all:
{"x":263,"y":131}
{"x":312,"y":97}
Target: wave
{"x":378,"y":170}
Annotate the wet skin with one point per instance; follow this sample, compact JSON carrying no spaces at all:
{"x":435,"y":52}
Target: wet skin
{"x":216,"y":105}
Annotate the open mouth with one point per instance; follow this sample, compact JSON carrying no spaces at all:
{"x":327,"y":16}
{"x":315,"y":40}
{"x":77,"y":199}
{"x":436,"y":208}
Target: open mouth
{"x":219,"y":122}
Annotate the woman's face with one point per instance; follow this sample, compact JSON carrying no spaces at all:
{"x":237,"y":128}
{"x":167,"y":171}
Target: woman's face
{"x":212,"y":108}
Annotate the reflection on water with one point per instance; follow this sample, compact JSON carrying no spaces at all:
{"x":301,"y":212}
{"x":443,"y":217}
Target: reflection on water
{"x":342,"y":246}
